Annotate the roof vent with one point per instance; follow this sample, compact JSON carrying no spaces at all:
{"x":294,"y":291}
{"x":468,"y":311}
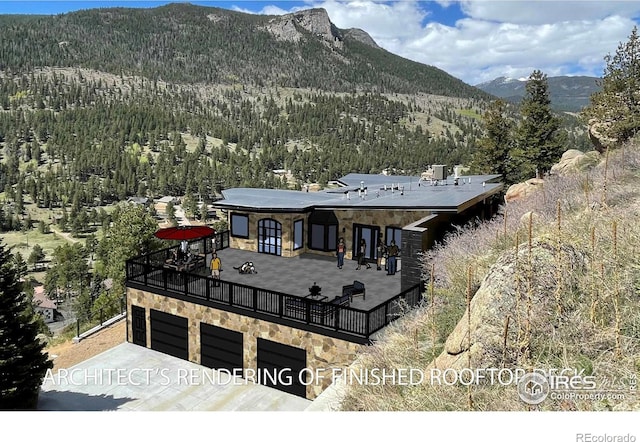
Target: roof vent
{"x":439,"y":172}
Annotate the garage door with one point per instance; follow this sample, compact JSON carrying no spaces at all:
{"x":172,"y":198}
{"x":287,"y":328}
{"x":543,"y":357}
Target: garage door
{"x":220,"y":348}
{"x":280,"y":366}
{"x":169,"y":334}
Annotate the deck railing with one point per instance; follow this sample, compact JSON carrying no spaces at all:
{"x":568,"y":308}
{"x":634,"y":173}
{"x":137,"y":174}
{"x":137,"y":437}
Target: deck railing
{"x":149,"y":272}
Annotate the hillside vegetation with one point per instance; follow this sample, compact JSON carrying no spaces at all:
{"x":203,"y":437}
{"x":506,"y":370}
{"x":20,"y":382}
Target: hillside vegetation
{"x":183,"y":43}
{"x":553,"y":283}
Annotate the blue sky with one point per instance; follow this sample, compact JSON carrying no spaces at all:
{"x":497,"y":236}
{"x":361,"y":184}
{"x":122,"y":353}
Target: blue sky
{"x":474,"y":40}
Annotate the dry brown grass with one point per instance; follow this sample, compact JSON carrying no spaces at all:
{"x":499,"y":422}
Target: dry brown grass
{"x":595,"y":314}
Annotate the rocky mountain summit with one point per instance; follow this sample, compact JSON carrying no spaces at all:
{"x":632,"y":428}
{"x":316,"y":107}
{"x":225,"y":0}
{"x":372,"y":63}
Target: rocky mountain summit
{"x":291,"y":27}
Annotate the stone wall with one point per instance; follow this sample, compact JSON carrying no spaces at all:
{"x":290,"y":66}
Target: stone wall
{"x":323,"y":352}
{"x":381,"y":218}
{"x":286,"y":219}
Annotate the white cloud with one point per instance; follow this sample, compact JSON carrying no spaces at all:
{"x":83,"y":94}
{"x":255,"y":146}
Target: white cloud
{"x":477,"y":51}
{"x":495,"y":38}
{"x":381,"y":20}
{"x":547,"y":11}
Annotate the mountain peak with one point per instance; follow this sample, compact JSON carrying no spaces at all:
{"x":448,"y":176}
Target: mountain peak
{"x":315,"y":21}
{"x":361,"y":36}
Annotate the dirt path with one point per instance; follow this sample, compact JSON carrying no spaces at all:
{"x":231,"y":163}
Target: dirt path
{"x":68,"y":354}
{"x":65,"y":235}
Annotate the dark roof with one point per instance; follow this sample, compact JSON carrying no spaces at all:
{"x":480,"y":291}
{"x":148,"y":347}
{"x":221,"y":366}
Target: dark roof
{"x":381,"y":192}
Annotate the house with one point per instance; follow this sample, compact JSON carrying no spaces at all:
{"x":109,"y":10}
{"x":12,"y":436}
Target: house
{"x":138,"y":200}
{"x":45,"y":306}
{"x":247,"y":323}
{"x":411,"y":211}
{"x":162,"y":203}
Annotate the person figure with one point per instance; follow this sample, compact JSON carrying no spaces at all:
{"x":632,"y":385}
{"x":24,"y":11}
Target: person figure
{"x":393,"y":252}
{"x":340,"y":250}
{"x":362,"y":251}
{"x":216,"y":266}
{"x":380,"y":251}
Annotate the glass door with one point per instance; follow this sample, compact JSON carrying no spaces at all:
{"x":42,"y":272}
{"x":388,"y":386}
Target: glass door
{"x":270,"y":237}
{"x":370,"y":234}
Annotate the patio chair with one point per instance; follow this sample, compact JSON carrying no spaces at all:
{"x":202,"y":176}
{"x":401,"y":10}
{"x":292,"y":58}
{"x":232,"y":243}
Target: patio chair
{"x":343,"y":300}
{"x":355,"y":289}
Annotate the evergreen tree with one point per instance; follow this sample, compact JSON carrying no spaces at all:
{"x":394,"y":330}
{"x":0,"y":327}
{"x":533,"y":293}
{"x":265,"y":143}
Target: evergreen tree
{"x":36,"y":256}
{"x":538,"y":143}
{"x":20,"y":265}
{"x":130,"y":234}
{"x":493,"y":149}
{"x":23,"y":364}
{"x":618,"y":103}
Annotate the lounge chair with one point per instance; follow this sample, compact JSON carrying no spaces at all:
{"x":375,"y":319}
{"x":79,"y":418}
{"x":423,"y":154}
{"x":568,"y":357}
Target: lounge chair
{"x":355,"y":289}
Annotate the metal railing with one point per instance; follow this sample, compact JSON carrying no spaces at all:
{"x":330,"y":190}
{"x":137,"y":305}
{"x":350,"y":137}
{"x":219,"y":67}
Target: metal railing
{"x":148,"y":272}
{"x":90,"y":320}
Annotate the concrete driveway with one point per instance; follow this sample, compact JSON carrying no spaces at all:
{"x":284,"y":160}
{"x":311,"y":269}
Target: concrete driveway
{"x":130,"y":377}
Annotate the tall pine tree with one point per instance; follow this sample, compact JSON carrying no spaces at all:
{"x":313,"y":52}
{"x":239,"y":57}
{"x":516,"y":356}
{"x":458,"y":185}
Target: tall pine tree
{"x":618,"y":103}
{"x":23,"y":363}
{"x":538,"y":143}
{"x":493,"y":149}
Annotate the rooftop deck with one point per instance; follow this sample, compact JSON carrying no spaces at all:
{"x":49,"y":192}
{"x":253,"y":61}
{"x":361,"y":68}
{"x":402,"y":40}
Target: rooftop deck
{"x":278,"y":292}
{"x":295,"y":275}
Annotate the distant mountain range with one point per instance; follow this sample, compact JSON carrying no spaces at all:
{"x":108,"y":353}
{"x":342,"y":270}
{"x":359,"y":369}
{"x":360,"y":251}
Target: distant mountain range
{"x":566,"y":93}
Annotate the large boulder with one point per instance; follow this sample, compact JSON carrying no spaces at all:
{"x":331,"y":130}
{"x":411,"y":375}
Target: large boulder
{"x":597,"y":130}
{"x":573,"y":160}
{"x":501,"y":306}
{"x":522,"y":190}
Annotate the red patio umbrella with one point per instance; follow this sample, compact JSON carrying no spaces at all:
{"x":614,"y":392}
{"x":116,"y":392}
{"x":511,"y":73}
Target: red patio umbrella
{"x":184,"y":232}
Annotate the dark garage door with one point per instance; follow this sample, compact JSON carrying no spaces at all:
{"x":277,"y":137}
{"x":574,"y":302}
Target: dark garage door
{"x":220,"y":348}
{"x":169,"y":334}
{"x":280,"y":366}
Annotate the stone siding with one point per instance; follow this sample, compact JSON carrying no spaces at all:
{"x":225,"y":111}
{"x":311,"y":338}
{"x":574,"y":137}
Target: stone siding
{"x":381,"y":218}
{"x":286,"y":219}
{"x":323,"y":352}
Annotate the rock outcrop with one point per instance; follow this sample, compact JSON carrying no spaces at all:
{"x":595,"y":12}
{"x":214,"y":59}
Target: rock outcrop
{"x":289,"y":27}
{"x":596,"y":131}
{"x":361,"y":36}
{"x":522,"y":190}
{"x":573,"y":160}
{"x":316,"y":21}
{"x":500,"y":307}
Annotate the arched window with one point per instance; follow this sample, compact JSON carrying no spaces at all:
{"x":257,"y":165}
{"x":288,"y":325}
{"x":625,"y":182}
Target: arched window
{"x":270,"y":237}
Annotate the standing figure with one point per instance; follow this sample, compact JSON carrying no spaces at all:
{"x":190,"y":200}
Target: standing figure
{"x":340,"y":250}
{"x":362,"y":252}
{"x":381,"y":249}
{"x":216,"y":266}
{"x":393,"y":252}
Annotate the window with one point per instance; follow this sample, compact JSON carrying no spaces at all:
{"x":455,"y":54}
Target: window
{"x":270,"y":237}
{"x":323,"y":231}
{"x":317,"y":236}
{"x":239,"y":225}
{"x":297,"y":234}
{"x":393,"y":233}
